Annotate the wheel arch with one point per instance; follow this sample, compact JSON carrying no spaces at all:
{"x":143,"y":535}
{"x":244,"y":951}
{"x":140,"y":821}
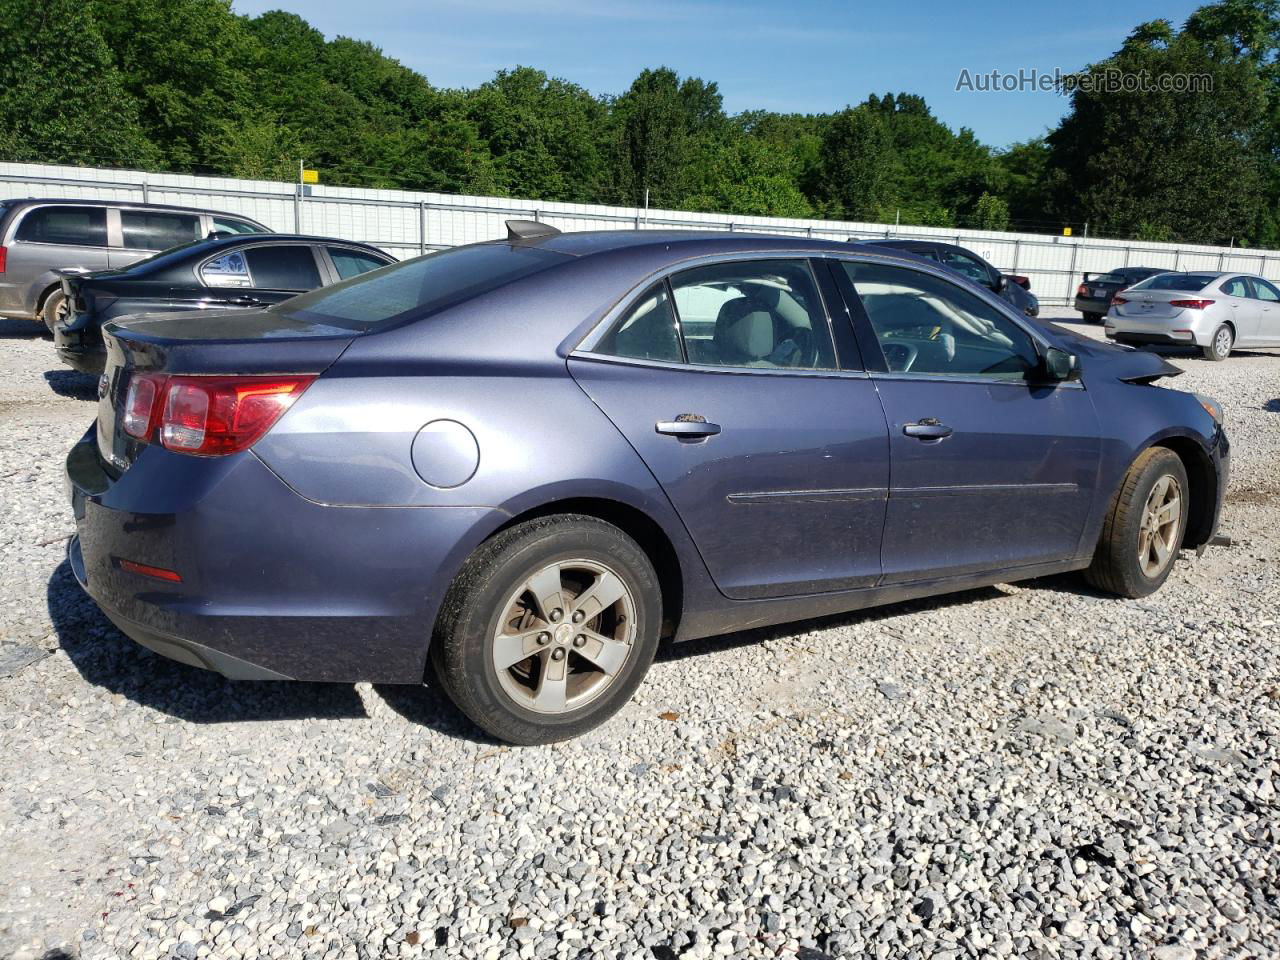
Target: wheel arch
{"x":1203,"y":480}
{"x":640,"y":527}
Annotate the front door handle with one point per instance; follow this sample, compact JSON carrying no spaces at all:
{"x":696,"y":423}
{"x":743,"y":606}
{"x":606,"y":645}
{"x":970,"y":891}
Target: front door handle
{"x":927,"y":429}
{"x":688,"y":425}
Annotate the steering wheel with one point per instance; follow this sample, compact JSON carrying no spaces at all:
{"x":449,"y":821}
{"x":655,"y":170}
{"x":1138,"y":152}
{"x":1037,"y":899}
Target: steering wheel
{"x":900,"y":356}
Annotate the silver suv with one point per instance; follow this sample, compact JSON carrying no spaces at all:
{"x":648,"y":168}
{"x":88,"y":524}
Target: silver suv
{"x":41,"y":239}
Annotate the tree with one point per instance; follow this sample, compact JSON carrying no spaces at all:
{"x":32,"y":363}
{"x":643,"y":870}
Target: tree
{"x":857,"y":164}
{"x":1188,"y":164}
{"x":64,"y":101}
{"x":991,"y":213}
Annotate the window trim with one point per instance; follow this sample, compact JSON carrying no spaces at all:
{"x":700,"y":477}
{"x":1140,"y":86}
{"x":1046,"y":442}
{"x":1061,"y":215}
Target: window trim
{"x":870,"y":343}
{"x":586,"y":346}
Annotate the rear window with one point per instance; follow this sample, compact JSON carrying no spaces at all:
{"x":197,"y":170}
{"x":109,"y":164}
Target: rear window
{"x":73,"y":226}
{"x":1183,"y":282}
{"x":418,"y":287}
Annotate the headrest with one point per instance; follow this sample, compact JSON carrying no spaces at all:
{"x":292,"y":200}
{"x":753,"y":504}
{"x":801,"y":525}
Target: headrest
{"x":744,"y":331}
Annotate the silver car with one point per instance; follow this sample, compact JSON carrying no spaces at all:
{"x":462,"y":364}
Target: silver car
{"x":1216,"y":312}
{"x":42,"y":239}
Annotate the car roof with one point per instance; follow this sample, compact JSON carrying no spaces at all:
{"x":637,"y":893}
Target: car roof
{"x":676,"y":245}
{"x":17,"y":202}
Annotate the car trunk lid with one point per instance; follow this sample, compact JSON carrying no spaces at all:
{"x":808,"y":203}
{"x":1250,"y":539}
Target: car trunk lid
{"x":1154,"y":304}
{"x":237,"y":342}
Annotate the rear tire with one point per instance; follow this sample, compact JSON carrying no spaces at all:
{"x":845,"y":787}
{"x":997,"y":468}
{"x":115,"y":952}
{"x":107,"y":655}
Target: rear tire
{"x":1219,"y":347}
{"x":535,"y":592}
{"x":1144,"y":527}
{"x":54,"y":309}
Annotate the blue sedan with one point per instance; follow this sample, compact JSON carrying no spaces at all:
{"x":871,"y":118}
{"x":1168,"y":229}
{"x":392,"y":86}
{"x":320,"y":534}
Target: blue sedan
{"x":521,"y":463}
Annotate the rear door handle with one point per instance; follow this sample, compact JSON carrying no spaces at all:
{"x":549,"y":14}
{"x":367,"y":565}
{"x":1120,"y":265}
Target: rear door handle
{"x":687,"y":425}
{"x":927,"y":429}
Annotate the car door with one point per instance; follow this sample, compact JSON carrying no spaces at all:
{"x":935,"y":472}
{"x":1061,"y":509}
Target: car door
{"x":991,"y":467}
{"x":771,"y":446}
{"x":53,"y":238}
{"x":1245,"y":312}
{"x":1268,"y":305}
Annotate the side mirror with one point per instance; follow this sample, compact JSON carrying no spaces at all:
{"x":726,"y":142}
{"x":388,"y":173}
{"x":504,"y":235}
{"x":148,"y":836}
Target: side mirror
{"x":1060,"y":365}
{"x":1001,"y":282}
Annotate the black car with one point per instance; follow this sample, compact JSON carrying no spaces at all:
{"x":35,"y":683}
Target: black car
{"x":1093,"y":297}
{"x":221,"y":273}
{"x":1017,"y":290}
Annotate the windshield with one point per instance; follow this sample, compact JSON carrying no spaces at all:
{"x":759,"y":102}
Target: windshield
{"x":418,"y":287}
{"x":1185,"y":282}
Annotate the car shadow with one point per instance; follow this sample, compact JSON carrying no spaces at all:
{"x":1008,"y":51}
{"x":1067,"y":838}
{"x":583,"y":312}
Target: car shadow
{"x":427,"y":705}
{"x":73,"y":384}
{"x":12,"y":328}
{"x":871,"y":615}
{"x":107,"y":658}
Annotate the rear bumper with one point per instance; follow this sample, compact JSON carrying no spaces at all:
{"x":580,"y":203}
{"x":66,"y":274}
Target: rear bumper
{"x":1150,"y":339}
{"x":80,"y":349}
{"x":1092,"y":305}
{"x":273,"y":586}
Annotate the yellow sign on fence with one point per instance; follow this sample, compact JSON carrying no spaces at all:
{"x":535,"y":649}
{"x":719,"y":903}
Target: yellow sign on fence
{"x":1066,"y":231}
{"x":310,"y":176}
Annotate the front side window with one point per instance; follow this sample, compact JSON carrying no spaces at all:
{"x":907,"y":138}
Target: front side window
{"x":231,"y":225}
{"x":1236,"y":287}
{"x":228,"y":270}
{"x":1265,"y":291}
{"x":967,"y":266}
{"x":753,"y":313}
{"x":929,"y":326}
{"x":74,"y":226}
{"x":285,"y":267}
{"x":351,"y":263}
{"x":149,"y":230}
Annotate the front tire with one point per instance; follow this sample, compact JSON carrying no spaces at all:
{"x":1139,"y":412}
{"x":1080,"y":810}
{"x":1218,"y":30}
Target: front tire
{"x":1219,"y":347}
{"x":54,"y":310}
{"x":1145,"y":524}
{"x":548,"y":629}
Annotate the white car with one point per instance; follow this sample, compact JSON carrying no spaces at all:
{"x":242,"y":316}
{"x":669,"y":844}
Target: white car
{"x":1216,"y":312}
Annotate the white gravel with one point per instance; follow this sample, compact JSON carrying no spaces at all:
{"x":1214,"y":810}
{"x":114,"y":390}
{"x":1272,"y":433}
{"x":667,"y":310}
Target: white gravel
{"x":1033,"y":771}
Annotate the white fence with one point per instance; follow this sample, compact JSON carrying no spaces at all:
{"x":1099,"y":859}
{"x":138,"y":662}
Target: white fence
{"x":406,"y":223}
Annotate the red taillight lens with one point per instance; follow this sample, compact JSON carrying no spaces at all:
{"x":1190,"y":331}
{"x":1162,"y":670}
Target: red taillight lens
{"x":1118,"y":300}
{"x":214,"y":416}
{"x":4,"y":257}
{"x":1191,"y":304}
{"x":140,"y":404}
{"x":146,"y":570}
{"x":1082,"y":291}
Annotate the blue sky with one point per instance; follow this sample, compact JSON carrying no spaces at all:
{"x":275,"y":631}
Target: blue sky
{"x":803,"y":56}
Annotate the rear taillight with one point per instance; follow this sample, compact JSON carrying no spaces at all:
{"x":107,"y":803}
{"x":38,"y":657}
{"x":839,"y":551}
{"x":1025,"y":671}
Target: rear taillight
{"x":1191,"y":304}
{"x":1082,"y":291}
{"x":4,"y":257}
{"x":140,"y":404}
{"x":208,"y":416}
{"x":1118,"y":300}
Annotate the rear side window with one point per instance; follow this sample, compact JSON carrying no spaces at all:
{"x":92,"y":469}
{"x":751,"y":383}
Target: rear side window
{"x":74,"y":226}
{"x":351,"y":263}
{"x":420,"y":286}
{"x":151,"y":230}
{"x":648,"y":331}
{"x":228,"y":270}
{"x":283,"y":267}
{"x":753,"y":313}
{"x":231,"y":225}
{"x":1236,"y":287}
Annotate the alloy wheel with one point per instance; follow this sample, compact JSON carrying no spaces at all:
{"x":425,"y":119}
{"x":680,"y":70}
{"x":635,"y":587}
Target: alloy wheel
{"x":1159,"y":530}
{"x":1222,"y":342}
{"x":564,"y":636}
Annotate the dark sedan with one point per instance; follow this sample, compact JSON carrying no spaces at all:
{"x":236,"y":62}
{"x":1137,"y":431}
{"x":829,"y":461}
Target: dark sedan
{"x":1016,"y":290}
{"x":525,"y":461}
{"x":1094,"y":295}
{"x":228,"y":272}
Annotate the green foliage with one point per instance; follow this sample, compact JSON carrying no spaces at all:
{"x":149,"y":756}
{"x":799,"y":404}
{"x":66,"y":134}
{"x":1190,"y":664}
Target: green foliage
{"x":61,"y":96}
{"x":189,"y":85}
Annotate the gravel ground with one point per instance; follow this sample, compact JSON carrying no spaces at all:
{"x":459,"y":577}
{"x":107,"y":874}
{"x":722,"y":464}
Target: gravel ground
{"x":1025,"y":771}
